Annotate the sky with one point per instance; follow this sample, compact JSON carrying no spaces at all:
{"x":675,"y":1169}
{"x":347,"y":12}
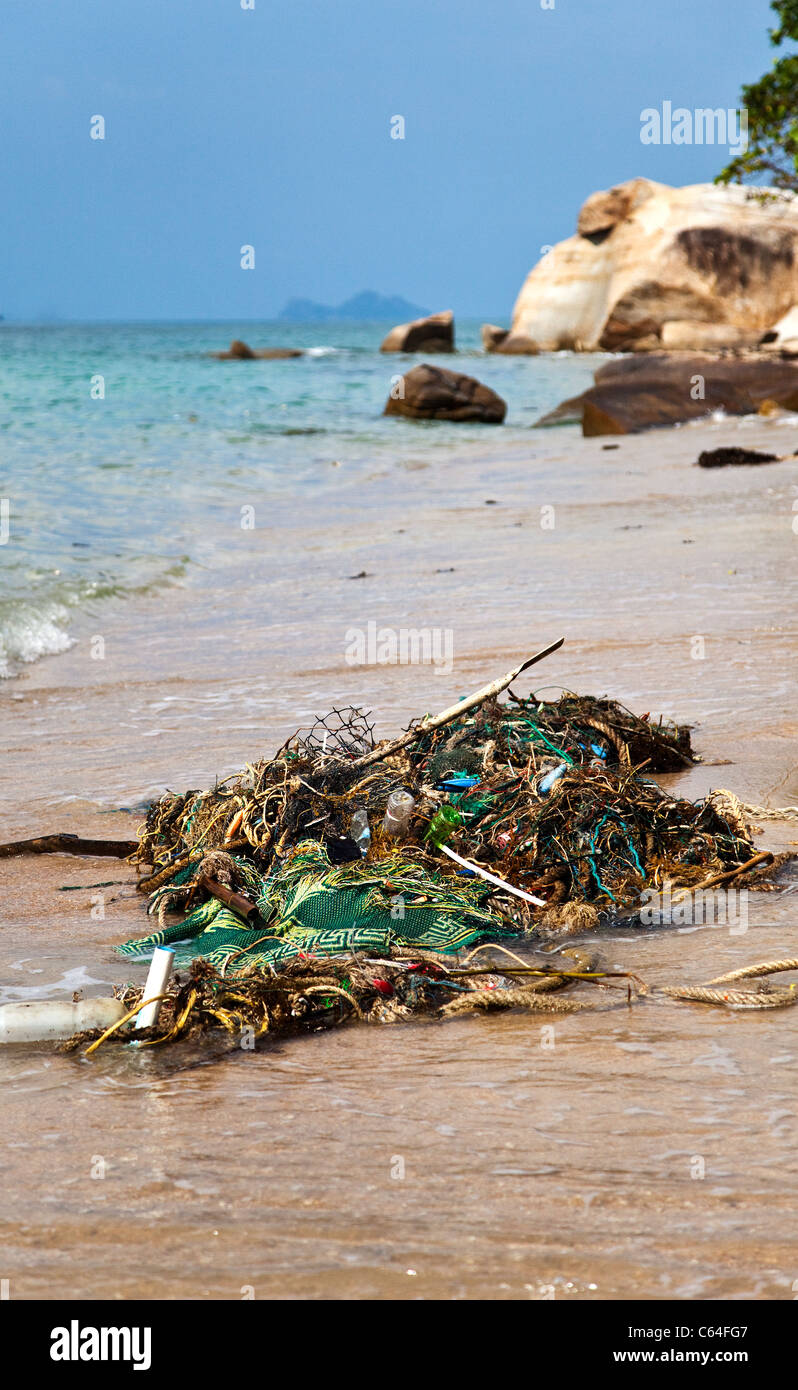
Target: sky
{"x":271,"y":127}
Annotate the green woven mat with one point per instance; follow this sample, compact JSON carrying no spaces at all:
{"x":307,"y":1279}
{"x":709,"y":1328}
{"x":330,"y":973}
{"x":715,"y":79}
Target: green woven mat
{"x":311,"y":907}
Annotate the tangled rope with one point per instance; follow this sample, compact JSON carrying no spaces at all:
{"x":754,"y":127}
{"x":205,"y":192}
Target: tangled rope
{"x":763,"y":997}
{"x":733,"y":809}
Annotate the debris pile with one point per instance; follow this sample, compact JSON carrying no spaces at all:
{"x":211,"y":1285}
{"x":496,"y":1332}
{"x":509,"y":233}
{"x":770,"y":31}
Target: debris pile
{"x":496,"y":818}
{"x":312,"y":995}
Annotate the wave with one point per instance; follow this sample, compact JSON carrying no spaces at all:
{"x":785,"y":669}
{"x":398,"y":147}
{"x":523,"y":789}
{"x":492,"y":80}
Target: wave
{"x":32,"y":631}
{"x":35,"y":625}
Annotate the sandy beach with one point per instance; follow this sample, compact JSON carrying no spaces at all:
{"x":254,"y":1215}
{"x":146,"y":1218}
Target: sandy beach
{"x":526,"y":1171}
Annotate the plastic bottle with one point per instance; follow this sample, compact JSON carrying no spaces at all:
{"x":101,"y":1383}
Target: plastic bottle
{"x":546,"y":783}
{"x":359,"y":830}
{"x":458,"y":782}
{"x":398,"y":812}
{"x":49,"y":1019}
{"x":443,"y":824}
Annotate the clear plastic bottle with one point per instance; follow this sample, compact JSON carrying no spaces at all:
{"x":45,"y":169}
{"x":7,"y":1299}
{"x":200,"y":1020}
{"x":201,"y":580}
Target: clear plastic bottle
{"x":359,"y":830}
{"x":44,"y":1020}
{"x":398,"y":813}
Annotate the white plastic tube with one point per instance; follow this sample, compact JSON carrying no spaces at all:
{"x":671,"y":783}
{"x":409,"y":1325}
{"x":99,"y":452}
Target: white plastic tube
{"x":161,"y":965}
{"x":483,"y":873}
{"x":46,"y":1020}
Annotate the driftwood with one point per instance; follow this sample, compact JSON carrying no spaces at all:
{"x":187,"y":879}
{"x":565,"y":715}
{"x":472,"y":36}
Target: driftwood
{"x":764,"y":857}
{"x":243,"y":906}
{"x":69,"y":844}
{"x":454,"y":711}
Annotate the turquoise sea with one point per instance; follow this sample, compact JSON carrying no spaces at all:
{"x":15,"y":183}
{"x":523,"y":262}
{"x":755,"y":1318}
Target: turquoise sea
{"x":118,"y":443}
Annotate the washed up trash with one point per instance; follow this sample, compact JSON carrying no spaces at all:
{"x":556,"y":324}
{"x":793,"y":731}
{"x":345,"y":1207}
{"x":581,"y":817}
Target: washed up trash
{"x":398,"y":814}
{"x":161,"y":965}
{"x":344,"y":876}
{"x":341,"y":842}
{"x":360,"y":830}
{"x":308,"y":905}
{"x":459,"y":783}
{"x":46,"y":1020}
{"x":546,"y":783}
{"x":310,"y":994}
{"x":443,"y":825}
{"x":555,"y":827}
{"x":307,"y":994}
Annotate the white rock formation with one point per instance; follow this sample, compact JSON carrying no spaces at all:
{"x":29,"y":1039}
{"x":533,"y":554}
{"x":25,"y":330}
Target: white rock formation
{"x":653,"y":266}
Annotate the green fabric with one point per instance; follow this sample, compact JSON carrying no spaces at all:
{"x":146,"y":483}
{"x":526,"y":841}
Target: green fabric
{"x":309,"y":906}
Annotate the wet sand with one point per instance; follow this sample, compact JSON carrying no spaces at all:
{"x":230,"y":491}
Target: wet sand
{"x":528,"y":1171}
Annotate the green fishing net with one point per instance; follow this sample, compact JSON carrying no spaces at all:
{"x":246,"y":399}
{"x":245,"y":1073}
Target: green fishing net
{"x":310,"y":906}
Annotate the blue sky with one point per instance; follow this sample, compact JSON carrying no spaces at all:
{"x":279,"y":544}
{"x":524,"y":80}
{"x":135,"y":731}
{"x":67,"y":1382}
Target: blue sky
{"x":271,"y":127}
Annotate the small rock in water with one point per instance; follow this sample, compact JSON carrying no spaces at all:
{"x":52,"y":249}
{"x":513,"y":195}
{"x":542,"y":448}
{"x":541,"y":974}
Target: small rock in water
{"x":433,"y":393}
{"x":435,"y":333}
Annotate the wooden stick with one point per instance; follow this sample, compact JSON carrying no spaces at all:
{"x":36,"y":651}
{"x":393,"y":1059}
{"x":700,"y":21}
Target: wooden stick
{"x":764,"y":857}
{"x":446,"y":716}
{"x":69,"y":844}
{"x":236,"y":901}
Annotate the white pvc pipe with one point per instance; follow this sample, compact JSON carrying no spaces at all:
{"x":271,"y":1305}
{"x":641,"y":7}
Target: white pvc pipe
{"x":161,"y":965}
{"x":483,"y":873}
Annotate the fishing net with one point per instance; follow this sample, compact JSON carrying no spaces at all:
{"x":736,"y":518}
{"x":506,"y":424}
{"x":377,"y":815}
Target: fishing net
{"x":311,"y":906}
{"x":554,"y":798}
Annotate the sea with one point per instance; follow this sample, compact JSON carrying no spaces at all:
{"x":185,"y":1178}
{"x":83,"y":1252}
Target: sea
{"x":120,"y":445}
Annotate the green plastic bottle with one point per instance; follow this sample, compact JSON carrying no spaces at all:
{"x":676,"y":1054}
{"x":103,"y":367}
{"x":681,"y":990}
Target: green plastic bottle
{"x":443,"y":824}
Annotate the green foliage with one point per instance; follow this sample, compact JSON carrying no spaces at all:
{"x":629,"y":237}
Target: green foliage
{"x":772,"y":105}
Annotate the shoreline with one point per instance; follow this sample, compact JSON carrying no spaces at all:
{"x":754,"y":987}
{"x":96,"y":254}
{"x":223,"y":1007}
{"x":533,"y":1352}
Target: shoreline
{"x":636,"y":561}
{"x":611,"y":1119}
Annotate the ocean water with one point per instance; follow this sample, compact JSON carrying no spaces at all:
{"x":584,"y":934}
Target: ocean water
{"x":109,"y":496}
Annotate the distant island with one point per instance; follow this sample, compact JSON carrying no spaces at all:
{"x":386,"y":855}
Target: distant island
{"x":366,"y":307}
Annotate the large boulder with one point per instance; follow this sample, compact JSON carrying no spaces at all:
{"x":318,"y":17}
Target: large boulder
{"x":638,"y":393}
{"x":516,"y":344}
{"x":647,"y":255}
{"x":603,"y":211}
{"x":433,"y":393}
{"x":688,"y":335}
{"x":240,"y":350}
{"x":432,"y":334}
